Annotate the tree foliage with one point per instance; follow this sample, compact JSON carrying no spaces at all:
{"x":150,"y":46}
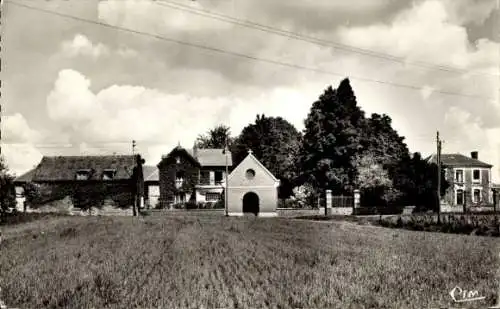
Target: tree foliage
{"x":214,"y":138}
{"x":7,"y":188}
{"x":275,"y":142}
{"x":417,"y":179}
{"x":371,"y":173}
{"x":333,"y":135}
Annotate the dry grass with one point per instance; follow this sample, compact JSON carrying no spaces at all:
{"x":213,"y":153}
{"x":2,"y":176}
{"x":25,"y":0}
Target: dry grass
{"x":212,"y":262}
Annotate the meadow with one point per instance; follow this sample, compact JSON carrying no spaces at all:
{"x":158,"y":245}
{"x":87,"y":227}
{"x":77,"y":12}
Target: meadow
{"x":208,"y":261}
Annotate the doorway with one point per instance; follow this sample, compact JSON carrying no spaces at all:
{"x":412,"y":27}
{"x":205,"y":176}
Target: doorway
{"x":251,"y":203}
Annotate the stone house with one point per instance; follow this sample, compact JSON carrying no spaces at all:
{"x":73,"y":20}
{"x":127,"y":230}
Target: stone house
{"x":469,"y":178}
{"x":192,"y":175}
{"x":252,"y":189}
{"x":119,"y":177}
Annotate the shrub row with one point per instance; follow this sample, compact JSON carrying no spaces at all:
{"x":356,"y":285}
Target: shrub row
{"x":485,"y":225}
{"x":193,"y":205}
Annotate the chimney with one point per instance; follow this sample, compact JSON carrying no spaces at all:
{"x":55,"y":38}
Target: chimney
{"x":474,"y":155}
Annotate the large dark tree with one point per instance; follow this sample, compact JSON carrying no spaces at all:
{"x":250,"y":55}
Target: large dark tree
{"x":333,"y":136}
{"x":417,"y":179}
{"x":383,"y":141}
{"x":275,"y":142}
{"x":214,"y":138}
{"x":7,"y":189}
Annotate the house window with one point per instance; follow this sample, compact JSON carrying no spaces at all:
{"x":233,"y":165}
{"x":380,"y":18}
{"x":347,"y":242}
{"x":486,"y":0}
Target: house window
{"x":83,"y":175}
{"x":179,"y":179}
{"x":218,"y":177}
{"x":476,"y":175}
{"x":212,"y":197}
{"x":250,"y":174}
{"x":459,"y":197}
{"x":476,"y":196}
{"x":108,"y":174}
{"x":459,"y":176}
{"x":178,"y":160}
{"x":204,"y":177}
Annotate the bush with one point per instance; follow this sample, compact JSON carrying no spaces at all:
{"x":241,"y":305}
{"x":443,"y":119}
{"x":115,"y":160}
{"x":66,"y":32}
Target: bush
{"x":485,"y":225}
{"x":291,"y":203}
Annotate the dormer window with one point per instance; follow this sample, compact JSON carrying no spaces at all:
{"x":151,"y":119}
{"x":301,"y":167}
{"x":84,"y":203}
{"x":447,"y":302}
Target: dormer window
{"x":108,"y":174}
{"x":178,"y":160}
{"x":82,"y":174}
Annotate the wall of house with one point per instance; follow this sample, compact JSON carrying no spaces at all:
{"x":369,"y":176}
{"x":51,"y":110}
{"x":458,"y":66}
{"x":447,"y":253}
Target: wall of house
{"x":268,"y":199}
{"x":152,"y":192}
{"x":168,"y":169}
{"x":468,"y":186}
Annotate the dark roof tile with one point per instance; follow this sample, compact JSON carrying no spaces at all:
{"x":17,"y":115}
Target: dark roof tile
{"x":63,"y":168}
{"x":458,"y":160}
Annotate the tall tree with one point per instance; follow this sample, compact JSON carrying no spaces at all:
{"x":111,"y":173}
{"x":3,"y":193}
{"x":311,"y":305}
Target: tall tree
{"x":275,"y":142}
{"x":383,"y":141}
{"x":214,"y":138}
{"x":416,"y":179}
{"x":7,"y":189}
{"x":332,"y":137}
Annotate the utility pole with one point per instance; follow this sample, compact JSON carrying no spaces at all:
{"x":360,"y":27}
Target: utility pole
{"x":226,"y":150}
{"x":438,"y":159}
{"x":133,"y":147}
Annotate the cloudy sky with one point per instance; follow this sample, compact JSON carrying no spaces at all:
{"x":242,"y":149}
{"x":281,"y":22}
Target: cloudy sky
{"x":71,"y":87}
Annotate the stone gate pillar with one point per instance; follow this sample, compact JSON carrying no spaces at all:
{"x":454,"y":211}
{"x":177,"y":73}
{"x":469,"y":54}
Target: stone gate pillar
{"x":357,"y":200}
{"x":328,"y":208}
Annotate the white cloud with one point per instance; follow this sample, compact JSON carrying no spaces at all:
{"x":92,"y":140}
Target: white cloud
{"x":81,"y":45}
{"x":71,"y":100}
{"x":21,"y":157}
{"x":15,"y":129}
{"x":18,"y":138}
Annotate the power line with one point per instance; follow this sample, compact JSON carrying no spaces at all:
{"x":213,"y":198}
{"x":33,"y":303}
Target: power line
{"x":240,"y":55}
{"x":318,"y":41}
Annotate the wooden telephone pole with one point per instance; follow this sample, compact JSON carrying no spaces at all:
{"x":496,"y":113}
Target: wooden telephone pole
{"x":438,"y":159}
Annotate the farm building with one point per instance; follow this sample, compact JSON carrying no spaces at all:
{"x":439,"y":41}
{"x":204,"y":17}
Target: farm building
{"x":252,"y":189}
{"x":469,"y":178}
{"x":115,"y":180}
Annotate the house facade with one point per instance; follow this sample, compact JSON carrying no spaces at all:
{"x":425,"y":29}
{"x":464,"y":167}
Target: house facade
{"x":151,"y":186}
{"x":118,"y":179}
{"x":252,"y":189}
{"x":469,"y":179}
{"x":192,"y":175}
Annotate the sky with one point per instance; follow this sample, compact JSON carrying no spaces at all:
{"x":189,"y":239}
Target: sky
{"x":72,"y":87}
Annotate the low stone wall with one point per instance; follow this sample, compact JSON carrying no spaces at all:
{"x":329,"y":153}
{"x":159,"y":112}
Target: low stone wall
{"x":296,"y":212}
{"x":458,"y":209}
{"x":344,"y":211}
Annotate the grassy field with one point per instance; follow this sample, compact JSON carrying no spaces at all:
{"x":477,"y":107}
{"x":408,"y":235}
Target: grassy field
{"x":215,"y":262}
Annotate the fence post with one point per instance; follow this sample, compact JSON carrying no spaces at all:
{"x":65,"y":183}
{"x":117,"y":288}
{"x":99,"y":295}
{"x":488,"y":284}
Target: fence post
{"x":328,"y":206}
{"x":494,"y":201}
{"x":357,"y":201}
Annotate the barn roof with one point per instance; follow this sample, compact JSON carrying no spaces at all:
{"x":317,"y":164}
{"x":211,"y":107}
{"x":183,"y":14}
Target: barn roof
{"x":150,"y":173}
{"x":458,"y":160}
{"x":26,"y":177}
{"x":62,"y":168}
